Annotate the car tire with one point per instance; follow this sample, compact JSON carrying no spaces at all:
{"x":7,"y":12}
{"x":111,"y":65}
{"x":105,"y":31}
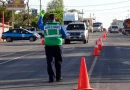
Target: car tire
{"x":32,"y":39}
{"x":9,"y":39}
{"x":67,"y":41}
{"x":85,"y":41}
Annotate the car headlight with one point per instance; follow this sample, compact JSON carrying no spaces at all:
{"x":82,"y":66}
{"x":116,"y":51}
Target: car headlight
{"x":82,"y":34}
{"x":68,"y":34}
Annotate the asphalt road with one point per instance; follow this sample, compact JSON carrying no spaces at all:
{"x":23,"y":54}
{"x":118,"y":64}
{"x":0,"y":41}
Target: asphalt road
{"x":112,"y":70}
{"x":23,"y":65}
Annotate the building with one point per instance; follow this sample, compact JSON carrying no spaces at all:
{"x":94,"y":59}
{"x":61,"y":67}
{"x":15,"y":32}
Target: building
{"x":90,"y":21}
{"x":6,"y":28}
{"x":118,"y":22}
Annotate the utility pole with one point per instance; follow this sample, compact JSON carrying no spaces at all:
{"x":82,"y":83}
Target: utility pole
{"x":12,"y":18}
{"x":90,"y":15}
{"x":128,"y":13}
{"x":82,"y":14}
{"x":3,"y":17}
{"x":40,"y":6}
{"x":28,"y":11}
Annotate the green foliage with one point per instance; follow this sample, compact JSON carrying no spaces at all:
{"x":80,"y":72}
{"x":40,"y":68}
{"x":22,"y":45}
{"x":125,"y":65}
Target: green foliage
{"x":72,"y":10}
{"x":7,"y":15}
{"x":34,"y":22}
{"x":55,"y":5}
{"x":21,"y":19}
{"x":58,"y":14}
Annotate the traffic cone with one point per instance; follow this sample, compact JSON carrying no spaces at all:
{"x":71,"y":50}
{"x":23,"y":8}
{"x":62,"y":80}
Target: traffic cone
{"x":99,"y":45}
{"x":106,"y":32}
{"x":100,"y":39}
{"x":104,"y":35}
{"x":83,"y":82}
{"x":96,"y":52}
{"x":96,"y":42}
{"x":42,"y":41}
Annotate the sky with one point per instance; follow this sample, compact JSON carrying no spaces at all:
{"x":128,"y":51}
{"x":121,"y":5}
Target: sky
{"x":103,"y":10}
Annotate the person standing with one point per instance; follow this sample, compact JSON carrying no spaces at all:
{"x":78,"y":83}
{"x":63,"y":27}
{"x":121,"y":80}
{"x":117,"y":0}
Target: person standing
{"x":53,"y":35}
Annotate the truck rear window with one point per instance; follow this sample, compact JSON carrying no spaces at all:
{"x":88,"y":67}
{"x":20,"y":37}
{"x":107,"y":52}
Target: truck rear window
{"x":114,"y":26}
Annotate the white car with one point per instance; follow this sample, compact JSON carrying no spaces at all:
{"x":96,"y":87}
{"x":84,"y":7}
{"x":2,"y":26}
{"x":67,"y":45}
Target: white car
{"x":114,"y":28}
{"x":77,"y":31}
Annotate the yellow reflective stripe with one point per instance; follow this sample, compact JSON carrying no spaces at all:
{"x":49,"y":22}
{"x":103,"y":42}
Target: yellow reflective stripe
{"x":53,"y":36}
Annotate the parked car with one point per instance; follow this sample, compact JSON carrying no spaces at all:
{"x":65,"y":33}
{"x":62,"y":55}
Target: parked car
{"x":36,"y":30}
{"x":20,"y":34}
{"x":77,"y":31}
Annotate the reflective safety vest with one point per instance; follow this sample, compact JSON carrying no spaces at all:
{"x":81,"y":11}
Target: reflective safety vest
{"x":52,"y":34}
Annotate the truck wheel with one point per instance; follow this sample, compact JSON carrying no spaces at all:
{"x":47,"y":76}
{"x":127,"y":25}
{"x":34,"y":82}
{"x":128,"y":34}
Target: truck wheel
{"x":127,"y":33}
{"x":85,"y":41}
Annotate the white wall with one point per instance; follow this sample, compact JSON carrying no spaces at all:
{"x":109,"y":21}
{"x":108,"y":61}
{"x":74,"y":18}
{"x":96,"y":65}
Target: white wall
{"x":6,"y":28}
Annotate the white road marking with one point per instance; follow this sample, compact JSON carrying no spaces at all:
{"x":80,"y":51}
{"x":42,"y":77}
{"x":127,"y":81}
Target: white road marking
{"x":118,"y":38}
{"x":20,"y":80}
{"x":15,"y":52}
{"x":122,"y":48}
{"x":18,"y":57}
{"x":92,"y":66}
{"x":126,"y":62}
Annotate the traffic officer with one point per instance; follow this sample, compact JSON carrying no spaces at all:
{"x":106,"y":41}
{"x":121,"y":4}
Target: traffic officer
{"x":53,"y":34}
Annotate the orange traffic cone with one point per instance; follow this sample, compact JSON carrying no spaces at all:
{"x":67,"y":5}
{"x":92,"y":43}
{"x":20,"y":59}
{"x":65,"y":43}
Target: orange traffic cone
{"x":106,"y":32}
{"x":83,"y":82}
{"x":100,"y":39}
{"x":42,"y":41}
{"x":104,"y":36}
{"x":99,"y":45}
{"x":96,"y":52}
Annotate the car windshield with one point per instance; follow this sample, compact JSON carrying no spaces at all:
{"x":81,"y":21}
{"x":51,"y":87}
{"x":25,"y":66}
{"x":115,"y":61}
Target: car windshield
{"x":114,"y":26}
{"x":96,"y":25}
{"x":76,"y":27}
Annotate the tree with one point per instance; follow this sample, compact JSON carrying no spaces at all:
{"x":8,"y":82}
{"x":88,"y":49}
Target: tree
{"x":55,"y":5}
{"x":72,"y":10}
{"x":21,"y":19}
{"x":7,"y":15}
{"x":58,"y":14}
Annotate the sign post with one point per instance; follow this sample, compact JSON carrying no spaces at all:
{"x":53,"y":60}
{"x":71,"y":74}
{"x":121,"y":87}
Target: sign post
{"x":15,"y":5}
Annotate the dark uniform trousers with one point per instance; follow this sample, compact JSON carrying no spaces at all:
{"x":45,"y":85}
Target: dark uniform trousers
{"x":54,"y":52}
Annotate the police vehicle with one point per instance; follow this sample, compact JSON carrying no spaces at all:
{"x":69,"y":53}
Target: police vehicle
{"x":20,"y":34}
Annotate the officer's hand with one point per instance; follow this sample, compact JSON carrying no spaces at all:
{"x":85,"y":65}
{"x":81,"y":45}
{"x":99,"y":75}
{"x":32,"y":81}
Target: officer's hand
{"x":42,"y":13}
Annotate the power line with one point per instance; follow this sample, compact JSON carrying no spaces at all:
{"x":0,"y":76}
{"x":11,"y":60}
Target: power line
{"x":107,"y":9}
{"x":95,"y":4}
{"x":101,"y":4}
